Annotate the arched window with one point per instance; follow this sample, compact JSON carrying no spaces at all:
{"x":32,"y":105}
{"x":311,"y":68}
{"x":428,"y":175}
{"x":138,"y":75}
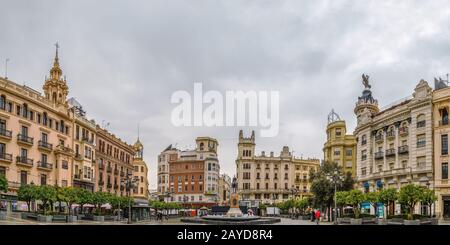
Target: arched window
{"x":54,"y":97}
{"x":201,"y":146}
{"x":421,"y":121}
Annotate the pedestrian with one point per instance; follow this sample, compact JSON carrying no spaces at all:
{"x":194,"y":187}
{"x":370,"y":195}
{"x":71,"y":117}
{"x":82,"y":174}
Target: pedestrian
{"x":317,"y":216}
{"x":313,"y":215}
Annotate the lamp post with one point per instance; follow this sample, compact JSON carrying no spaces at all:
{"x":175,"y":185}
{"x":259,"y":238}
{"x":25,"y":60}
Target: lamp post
{"x":129,"y":184}
{"x":335,"y":177}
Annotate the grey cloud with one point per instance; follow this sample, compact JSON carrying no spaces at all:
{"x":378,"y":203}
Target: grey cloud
{"x":135,"y":54}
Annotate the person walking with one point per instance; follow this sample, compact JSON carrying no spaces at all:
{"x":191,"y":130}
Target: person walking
{"x":313,"y":215}
{"x":317,"y":217}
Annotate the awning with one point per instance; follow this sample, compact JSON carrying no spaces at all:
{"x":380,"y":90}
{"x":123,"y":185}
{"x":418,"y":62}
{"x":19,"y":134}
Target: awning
{"x":379,"y":183}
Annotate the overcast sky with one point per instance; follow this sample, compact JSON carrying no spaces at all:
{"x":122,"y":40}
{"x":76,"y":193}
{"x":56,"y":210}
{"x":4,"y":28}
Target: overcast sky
{"x":124,"y":59}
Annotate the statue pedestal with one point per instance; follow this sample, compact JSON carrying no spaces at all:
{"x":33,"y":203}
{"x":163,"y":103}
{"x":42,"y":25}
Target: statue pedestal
{"x":234,"y":211}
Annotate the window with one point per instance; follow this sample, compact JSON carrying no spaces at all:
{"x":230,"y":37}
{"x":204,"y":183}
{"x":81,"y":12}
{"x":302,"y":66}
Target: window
{"x":43,"y":179}
{"x":338,"y":132}
{"x":267,"y":186}
{"x":444,"y":118}
{"x":444,"y":144}
{"x":444,"y":170}
{"x":421,"y":121}
{"x":363,"y":171}
{"x":421,"y":162}
{"x":349,"y":164}
{"x":2,"y":102}
{"x":257,"y":186}
{"x":363,"y":140}
{"x":363,"y":155}
{"x":246,"y":186}
{"x":286,"y":176}
{"x":246,"y":175}
{"x":275,"y":186}
{"x":64,"y":165}
{"x":421,"y":141}
{"x":23,"y":177}
{"x":337,"y":152}
{"x":349,"y":152}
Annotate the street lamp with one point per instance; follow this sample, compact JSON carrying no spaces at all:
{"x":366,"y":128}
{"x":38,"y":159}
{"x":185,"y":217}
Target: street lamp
{"x":129,"y":182}
{"x":335,"y":177}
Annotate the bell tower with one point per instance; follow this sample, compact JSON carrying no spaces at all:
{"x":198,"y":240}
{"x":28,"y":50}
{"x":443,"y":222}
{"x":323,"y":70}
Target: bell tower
{"x":55,"y":87}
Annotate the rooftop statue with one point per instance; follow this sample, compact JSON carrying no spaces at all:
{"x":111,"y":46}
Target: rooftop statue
{"x":366,"y":81}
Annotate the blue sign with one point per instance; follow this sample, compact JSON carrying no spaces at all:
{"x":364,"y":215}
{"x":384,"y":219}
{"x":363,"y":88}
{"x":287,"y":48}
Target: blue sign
{"x":380,"y":208}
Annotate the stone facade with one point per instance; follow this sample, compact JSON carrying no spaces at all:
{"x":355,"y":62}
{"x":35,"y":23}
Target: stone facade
{"x":36,"y":133}
{"x":441,"y":107}
{"x":270,"y":178}
{"x":190,"y":177}
{"x":340,"y":146}
{"x":395,"y":144}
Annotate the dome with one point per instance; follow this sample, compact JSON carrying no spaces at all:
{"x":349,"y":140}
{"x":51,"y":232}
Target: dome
{"x":138,"y":145}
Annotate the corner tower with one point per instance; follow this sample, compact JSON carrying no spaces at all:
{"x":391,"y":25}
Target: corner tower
{"x":55,"y":87}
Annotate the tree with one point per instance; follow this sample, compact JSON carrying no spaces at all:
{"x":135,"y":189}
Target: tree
{"x":388,"y":196}
{"x":323,"y":188}
{"x":69,"y":196}
{"x":428,"y":198}
{"x":302,"y":205}
{"x":83,"y":197}
{"x":47,"y":194}
{"x":409,"y":196}
{"x":354,"y":199}
{"x":98,"y":199}
{"x":3,"y":183}
{"x":28,"y":194}
{"x":341,"y":199}
{"x":373,"y":198}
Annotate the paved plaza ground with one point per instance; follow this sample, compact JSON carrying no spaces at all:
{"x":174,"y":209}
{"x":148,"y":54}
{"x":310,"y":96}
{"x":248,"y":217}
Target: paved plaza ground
{"x":16,"y":220}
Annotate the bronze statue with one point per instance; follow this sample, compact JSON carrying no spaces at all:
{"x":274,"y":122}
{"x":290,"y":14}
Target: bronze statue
{"x":234,"y":185}
{"x":366,"y":81}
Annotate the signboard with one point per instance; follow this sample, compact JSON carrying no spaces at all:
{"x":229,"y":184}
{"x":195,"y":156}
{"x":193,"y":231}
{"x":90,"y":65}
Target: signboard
{"x":380,"y":210}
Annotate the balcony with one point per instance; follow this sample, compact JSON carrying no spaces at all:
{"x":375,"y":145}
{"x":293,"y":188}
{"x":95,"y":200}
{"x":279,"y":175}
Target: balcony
{"x":122,"y":174}
{"x":24,"y":161}
{"x":79,"y":157}
{"x":403,"y":131}
{"x":43,"y":145}
{"x":379,"y":155}
{"x":63,"y":150}
{"x":403,"y":149}
{"x":44,"y":166}
{"x":5,"y":157}
{"x":390,"y":134}
{"x":101,"y":166}
{"x":24,"y":139}
{"x":116,"y":172}
{"x":5,"y":134}
{"x":108,"y":169}
{"x":88,"y":141}
{"x":379,"y":138}
{"x":77,"y":176}
{"x":390,"y":152}
{"x":443,"y":122}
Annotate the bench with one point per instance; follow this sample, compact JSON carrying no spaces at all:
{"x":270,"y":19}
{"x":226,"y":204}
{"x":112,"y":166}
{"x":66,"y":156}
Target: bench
{"x":33,"y":216}
{"x":59,"y":218}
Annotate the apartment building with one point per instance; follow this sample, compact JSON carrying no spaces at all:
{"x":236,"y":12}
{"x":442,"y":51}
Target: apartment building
{"x":267,"y":178}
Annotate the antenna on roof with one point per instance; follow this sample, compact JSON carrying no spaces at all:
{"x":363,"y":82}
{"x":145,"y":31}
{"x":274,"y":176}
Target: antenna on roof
{"x":6,"y":68}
